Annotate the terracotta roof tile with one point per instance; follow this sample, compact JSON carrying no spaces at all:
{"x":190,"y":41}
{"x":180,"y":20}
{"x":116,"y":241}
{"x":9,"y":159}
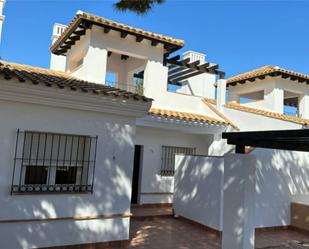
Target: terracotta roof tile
{"x":185,"y":116}
{"x":97,"y":20}
{"x":265,"y":113}
{"x":60,"y":79}
{"x":272,"y":71}
{"x":240,"y":107}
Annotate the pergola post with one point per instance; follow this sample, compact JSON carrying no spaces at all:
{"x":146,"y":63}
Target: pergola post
{"x":239,"y":202}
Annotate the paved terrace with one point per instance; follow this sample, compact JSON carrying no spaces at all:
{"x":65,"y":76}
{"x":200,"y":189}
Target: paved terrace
{"x":165,"y":232}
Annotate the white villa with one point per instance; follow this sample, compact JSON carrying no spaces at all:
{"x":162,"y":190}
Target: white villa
{"x":121,"y":119}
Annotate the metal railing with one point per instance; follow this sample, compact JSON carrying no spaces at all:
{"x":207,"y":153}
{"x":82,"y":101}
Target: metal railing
{"x":53,"y":162}
{"x":136,"y":87}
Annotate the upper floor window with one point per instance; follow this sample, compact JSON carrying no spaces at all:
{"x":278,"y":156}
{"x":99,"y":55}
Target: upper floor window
{"x":291,"y":103}
{"x":168,"y":158}
{"x":52,"y":162}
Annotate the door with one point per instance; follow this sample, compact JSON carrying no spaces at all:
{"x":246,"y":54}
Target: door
{"x":136,"y":173}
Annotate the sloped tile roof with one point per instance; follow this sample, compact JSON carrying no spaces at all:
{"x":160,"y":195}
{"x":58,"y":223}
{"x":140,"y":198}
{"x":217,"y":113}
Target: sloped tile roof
{"x":240,"y":107}
{"x":185,"y":116}
{"x":272,"y":71}
{"x":265,"y":113}
{"x":97,"y":20}
{"x":210,"y":103}
{"x":60,"y":79}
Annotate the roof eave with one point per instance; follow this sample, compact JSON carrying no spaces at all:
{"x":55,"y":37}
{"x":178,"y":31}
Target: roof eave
{"x":275,"y":73}
{"x":169,"y":46}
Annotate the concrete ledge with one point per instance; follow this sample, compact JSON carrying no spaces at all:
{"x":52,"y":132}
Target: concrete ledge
{"x":95,"y":217}
{"x":300,"y":216}
{"x":154,"y":205}
{"x":257,"y":230}
{"x":101,"y":245}
{"x":201,"y":226}
{"x":299,"y":230}
{"x":272,"y":229}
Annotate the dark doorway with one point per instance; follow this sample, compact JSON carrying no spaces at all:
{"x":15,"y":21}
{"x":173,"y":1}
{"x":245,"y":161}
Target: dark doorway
{"x":136,"y":170}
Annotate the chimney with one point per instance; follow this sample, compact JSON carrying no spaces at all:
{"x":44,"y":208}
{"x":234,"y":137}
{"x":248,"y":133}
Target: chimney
{"x":57,"y":62}
{"x":201,"y":85}
{"x":194,"y":56}
{"x":2,"y":17}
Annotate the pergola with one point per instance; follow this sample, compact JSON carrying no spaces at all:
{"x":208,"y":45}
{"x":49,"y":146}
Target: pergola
{"x":297,"y":140}
{"x":240,"y":180}
{"x":182,"y":69}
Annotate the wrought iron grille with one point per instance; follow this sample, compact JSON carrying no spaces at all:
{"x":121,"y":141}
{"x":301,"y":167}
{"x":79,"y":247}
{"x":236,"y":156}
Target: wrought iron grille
{"x":168,"y":158}
{"x":53,"y":162}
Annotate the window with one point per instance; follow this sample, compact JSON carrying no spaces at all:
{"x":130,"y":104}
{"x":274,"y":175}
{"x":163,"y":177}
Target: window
{"x":52,"y":162}
{"x":291,"y":103}
{"x":168,"y":158}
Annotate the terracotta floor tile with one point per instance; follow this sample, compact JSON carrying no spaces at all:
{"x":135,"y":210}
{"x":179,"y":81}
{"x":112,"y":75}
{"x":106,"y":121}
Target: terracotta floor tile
{"x":170,"y":233}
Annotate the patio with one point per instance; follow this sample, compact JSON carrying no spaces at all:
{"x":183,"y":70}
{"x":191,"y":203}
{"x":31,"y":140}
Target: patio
{"x":169,"y":233}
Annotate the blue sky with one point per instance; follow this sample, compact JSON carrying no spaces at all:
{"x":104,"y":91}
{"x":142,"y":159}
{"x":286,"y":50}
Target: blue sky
{"x":238,"y":35}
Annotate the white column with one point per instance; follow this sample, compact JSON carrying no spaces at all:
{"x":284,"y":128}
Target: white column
{"x":304,"y":106}
{"x":221,"y":93}
{"x":239,"y":202}
{"x":277,"y":95}
{"x":94,"y":65}
{"x":155,"y":80}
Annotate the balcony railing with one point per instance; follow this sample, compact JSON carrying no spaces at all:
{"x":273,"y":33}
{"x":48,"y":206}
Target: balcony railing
{"x":134,"y":87}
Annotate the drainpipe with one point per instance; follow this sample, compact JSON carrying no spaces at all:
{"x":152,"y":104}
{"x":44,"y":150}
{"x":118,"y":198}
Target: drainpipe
{"x":221,"y":93}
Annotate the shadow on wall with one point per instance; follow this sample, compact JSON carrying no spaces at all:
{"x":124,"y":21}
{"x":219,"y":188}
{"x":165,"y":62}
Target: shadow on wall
{"x":279,"y":175}
{"x":112,"y":195}
{"x":198,"y":189}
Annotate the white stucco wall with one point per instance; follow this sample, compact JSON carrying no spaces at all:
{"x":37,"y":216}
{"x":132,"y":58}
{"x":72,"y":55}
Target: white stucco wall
{"x":155,"y":188}
{"x":202,"y":85}
{"x":274,"y":88}
{"x":301,"y":198}
{"x":280,"y":174}
{"x":238,"y":222}
{"x":93,"y":48}
{"x":246,"y":121}
{"x":273,"y":95}
{"x":112,"y":184}
{"x":199,"y":189}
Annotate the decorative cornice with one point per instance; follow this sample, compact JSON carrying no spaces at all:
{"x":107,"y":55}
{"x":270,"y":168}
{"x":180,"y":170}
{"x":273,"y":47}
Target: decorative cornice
{"x":193,"y":127}
{"x":26,"y":93}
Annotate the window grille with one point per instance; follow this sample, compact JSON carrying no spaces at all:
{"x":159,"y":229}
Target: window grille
{"x":53,"y":162}
{"x":168,"y":158}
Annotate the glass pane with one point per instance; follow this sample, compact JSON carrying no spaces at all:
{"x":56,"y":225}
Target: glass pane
{"x":66,"y":175}
{"x":36,"y":175}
